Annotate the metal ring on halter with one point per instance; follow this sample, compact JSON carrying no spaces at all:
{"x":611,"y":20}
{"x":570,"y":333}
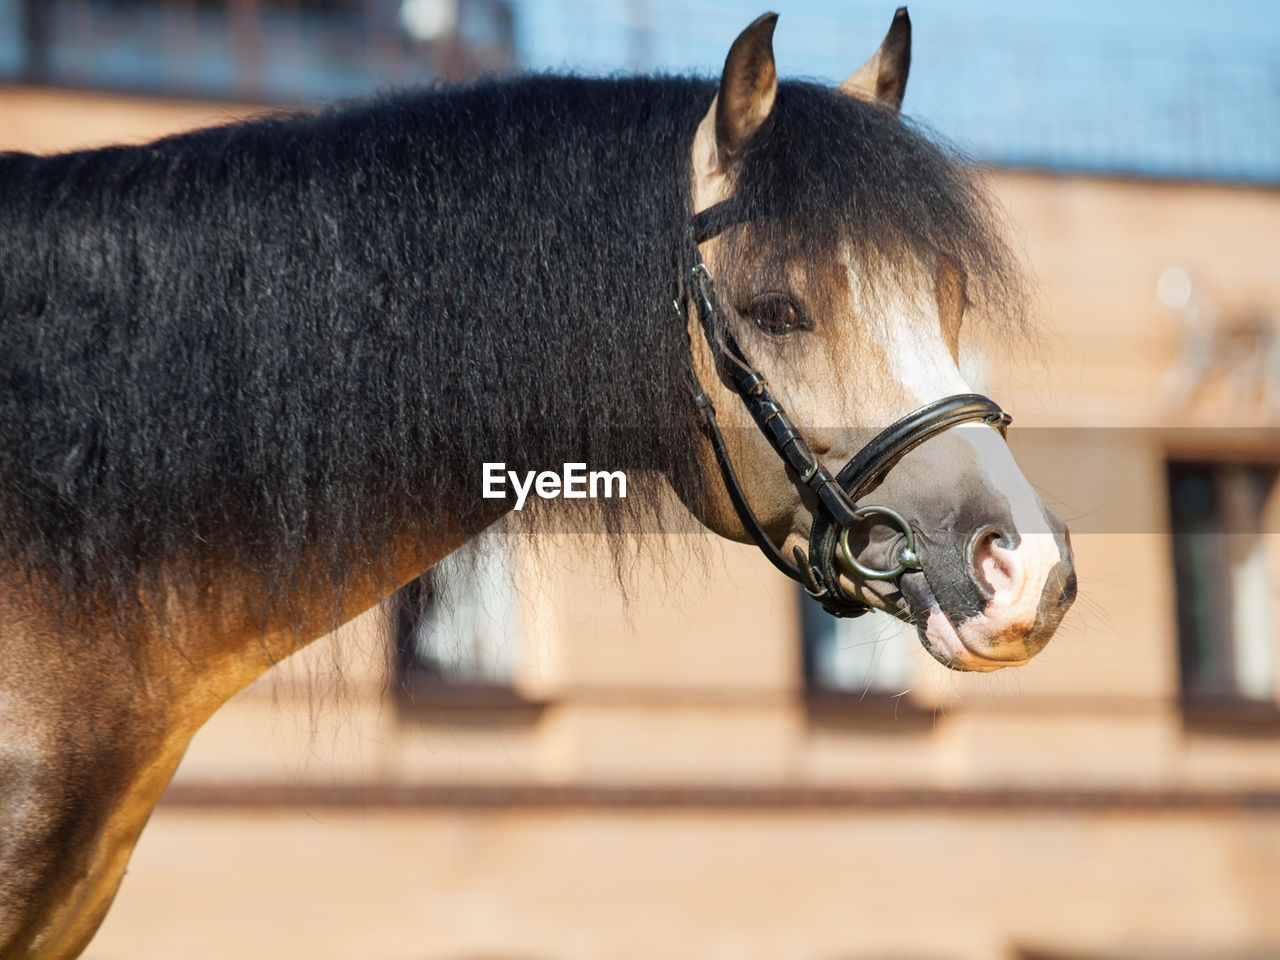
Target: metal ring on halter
{"x":908,"y":559}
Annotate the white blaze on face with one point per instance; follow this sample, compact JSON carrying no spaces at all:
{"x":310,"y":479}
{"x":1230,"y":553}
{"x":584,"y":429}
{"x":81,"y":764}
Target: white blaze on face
{"x":923,"y":366}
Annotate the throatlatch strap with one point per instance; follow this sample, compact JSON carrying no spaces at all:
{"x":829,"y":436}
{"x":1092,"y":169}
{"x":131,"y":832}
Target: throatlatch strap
{"x":750,"y":522}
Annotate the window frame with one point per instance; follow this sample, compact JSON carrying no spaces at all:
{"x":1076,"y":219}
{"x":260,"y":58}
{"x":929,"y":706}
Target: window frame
{"x":1226,"y":712}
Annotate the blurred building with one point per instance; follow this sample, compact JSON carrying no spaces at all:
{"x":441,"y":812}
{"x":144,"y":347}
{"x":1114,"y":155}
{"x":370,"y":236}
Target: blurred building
{"x":538,"y":769}
{"x":263,"y":51}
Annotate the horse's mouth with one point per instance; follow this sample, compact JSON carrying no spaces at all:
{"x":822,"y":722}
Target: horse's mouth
{"x":938,"y":633}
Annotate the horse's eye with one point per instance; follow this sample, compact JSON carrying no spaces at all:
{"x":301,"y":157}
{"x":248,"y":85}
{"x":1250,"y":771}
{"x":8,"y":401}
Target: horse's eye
{"x":776,"y":315}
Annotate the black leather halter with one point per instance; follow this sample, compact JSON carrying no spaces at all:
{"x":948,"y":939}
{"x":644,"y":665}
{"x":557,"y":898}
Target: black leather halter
{"x":837,"y":511}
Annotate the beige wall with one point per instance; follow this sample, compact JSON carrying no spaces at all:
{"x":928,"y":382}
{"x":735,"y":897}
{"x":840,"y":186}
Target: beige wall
{"x":586,"y":884}
{"x":671,"y":792}
{"x":40,"y":120}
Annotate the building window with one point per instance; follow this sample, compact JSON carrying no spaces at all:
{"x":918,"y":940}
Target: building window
{"x":870,"y":654}
{"x":1226,"y":587}
{"x":458,"y":626}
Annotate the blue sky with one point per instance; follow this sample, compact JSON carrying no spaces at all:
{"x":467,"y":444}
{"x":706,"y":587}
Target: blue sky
{"x":1156,"y":88}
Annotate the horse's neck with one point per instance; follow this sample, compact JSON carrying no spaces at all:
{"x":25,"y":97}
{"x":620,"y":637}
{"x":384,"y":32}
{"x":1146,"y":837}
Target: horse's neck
{"x":379,"y":301}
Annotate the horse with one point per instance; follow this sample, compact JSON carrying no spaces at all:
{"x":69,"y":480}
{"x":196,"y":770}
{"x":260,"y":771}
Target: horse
{"x":250,"y":375}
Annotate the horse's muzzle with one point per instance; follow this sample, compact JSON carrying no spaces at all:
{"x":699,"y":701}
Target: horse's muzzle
{"x":992,"y":597}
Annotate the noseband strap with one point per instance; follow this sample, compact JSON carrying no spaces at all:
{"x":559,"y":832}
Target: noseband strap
{"x":836,"y":511}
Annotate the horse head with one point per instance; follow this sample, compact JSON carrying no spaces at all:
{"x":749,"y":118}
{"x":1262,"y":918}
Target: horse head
{"x":845,"y":250}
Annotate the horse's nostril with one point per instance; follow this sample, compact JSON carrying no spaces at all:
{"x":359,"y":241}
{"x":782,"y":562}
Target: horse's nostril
{"x":989,"y":570}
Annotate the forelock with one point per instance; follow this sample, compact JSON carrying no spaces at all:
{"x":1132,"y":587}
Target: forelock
{"x":829,"y":175}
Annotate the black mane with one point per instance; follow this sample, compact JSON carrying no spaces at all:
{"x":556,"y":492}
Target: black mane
{"x":285,"y":343}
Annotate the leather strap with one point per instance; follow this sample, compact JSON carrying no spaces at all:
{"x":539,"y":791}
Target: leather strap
{"x":716,"y":219}
{"x":707,"y":420}
{"x":738,"y":374}
{"x":867,"y":468}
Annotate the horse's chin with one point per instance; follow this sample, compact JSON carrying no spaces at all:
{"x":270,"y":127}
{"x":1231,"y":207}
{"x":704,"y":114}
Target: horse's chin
{"x":946,"y":644}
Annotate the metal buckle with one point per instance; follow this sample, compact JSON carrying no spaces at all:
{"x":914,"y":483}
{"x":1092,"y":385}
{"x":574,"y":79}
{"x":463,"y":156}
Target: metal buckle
{"x":908,"y":559}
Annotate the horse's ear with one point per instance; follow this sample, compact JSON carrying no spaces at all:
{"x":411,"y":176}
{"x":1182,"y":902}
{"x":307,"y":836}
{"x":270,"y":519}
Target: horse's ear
{"x":883,"y":78}
{"x":748,"y":87}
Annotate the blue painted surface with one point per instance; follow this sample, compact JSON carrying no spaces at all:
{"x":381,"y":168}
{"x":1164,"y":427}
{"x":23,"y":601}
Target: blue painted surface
{"x":1163,"y":89}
